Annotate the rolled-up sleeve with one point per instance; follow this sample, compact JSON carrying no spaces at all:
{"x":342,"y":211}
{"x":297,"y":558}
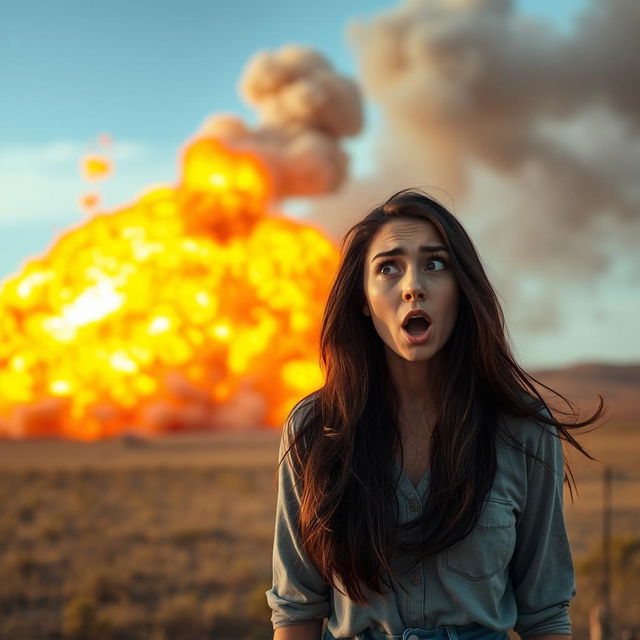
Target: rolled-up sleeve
{"x":541,"y":570}
{"x":299,"y":592}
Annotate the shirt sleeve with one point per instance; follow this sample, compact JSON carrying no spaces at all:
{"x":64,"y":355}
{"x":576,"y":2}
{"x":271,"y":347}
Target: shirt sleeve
{"x":541,"y":569}
{"x":299,"y":592}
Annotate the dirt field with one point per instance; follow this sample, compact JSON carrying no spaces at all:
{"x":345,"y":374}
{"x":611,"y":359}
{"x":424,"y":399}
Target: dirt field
{"x":171,"y":538}
{"x":124,"y":539}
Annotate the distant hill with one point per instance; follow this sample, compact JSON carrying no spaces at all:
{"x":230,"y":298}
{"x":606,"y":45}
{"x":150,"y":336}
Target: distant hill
{"x":619,"y":385}
{"x":598,"y":372}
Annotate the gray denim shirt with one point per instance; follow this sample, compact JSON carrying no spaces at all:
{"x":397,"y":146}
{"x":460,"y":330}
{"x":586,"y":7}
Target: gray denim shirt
{"x":513,"y":571}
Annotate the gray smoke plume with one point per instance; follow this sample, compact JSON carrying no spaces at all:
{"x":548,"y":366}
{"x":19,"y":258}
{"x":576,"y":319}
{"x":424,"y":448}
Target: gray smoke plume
{"x":305,"y":108}
{"x":530,"y":132}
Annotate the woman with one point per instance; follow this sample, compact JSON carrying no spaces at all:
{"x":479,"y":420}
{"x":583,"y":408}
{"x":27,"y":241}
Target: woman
{"x":420,"y":489}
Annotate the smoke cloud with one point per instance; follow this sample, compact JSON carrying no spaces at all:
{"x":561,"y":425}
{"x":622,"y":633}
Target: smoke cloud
{"x":305,"y":108}
{"x":530,"y":134}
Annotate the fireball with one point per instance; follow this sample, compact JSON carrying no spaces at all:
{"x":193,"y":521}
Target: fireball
{"x":156,"y":316}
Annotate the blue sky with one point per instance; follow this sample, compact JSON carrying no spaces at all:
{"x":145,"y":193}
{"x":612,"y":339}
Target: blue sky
{"x":150,"y":70}
{"x":148,"y":73}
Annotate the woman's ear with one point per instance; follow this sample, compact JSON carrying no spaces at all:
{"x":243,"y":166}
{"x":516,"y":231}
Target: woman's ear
{"x":366,"y":311}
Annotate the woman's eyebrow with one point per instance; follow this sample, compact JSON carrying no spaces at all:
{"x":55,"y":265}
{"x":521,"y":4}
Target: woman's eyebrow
{"x":401,"y":251}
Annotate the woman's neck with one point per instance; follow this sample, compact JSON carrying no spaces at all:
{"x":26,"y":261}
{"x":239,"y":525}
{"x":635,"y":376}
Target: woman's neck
{"x":411,"y":382}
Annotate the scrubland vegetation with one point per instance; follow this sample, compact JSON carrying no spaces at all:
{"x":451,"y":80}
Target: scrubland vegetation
{"x":171,"y":539}
{"x":161,"y":552}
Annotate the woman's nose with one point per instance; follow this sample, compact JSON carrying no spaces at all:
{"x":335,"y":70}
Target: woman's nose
{"x":412,"y":285}
{"x":412,"y":293}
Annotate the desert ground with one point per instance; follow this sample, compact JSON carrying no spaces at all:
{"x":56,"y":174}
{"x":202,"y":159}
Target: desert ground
{"x":170,"y":538}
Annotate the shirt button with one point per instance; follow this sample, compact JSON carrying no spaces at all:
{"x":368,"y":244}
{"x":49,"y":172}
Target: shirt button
{"x":414,"y":578}
{"x":413,"y":505}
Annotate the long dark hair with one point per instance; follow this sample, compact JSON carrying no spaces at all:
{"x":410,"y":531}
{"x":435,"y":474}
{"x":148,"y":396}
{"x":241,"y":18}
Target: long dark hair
{"x":343,"y":435}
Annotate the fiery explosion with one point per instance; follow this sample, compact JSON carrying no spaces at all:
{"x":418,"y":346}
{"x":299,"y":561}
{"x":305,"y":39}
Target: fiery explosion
{"x":155,"y":316}
{"x":194,"y":307}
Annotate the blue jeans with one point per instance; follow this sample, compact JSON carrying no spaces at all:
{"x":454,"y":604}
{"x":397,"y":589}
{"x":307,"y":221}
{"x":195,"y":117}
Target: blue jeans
{"x":471,"y":631}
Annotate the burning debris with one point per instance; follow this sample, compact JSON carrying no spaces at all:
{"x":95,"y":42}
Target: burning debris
{"x":95,"y":167}
{"x":194,"y":299}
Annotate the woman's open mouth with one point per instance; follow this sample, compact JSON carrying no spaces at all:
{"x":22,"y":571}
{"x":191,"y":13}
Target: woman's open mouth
{"x":416,"y":330}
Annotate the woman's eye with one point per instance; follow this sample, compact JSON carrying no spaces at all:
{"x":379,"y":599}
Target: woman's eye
{"x":433,"y":264}
{"x":386,"y":268}
{"x":443,"y":264}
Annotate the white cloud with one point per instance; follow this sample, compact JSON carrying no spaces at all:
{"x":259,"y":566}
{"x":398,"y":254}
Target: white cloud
{"x":63,"y":154}
{"x":592,"y":331}
{"x":42,"y":183}
{"x":40,"y":186}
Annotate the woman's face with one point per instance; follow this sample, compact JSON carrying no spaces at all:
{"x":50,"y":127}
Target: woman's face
{"x":407,"y":269}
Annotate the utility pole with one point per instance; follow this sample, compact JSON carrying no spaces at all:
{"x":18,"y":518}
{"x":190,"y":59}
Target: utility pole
{"x":606,"y":553}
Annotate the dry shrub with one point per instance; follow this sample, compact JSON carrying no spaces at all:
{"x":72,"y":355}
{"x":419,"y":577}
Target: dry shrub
{"x":105,"y":585}
{"x":23,"y":564}
{"x":182,"y":618}
{"x":81,"y":620}
{"x":257,"y":606}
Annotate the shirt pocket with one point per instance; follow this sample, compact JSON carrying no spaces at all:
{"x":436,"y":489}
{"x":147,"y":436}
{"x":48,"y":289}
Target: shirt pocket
{"x":489,"y":547}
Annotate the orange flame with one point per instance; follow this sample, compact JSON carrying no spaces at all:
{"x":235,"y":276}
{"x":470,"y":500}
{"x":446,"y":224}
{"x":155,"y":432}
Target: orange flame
{"x":155,"y":316}
{"x":89,"y":201}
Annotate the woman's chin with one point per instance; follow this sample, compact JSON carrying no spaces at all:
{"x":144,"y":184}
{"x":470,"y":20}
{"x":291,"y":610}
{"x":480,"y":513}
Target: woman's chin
{"x":414,"y":354}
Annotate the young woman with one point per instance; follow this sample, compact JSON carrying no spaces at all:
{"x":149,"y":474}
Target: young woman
{"x":420,"y":489}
